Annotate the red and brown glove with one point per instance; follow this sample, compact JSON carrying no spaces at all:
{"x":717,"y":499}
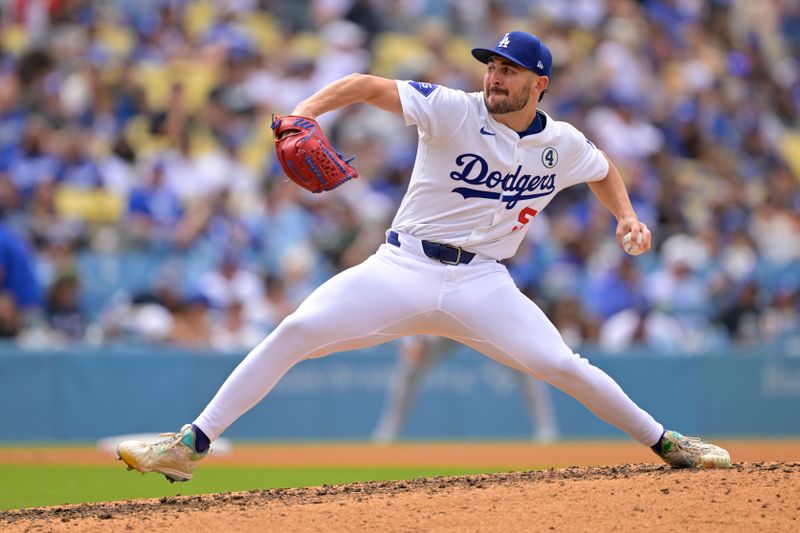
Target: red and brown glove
{"x":307,"y":156}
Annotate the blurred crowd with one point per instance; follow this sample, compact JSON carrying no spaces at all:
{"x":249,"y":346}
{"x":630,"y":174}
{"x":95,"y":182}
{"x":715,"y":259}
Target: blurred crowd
{"x":140,"y":200}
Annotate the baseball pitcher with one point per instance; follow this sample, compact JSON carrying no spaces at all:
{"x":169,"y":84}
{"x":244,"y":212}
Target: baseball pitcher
{"x":487,"y":163}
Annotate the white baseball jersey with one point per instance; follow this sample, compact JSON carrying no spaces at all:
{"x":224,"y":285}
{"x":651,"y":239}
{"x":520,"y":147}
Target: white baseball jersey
{"x":475,"y":183}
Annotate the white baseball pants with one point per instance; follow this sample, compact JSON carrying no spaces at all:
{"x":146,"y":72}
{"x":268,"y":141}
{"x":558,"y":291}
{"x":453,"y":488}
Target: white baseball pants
{"x":399,"y":291}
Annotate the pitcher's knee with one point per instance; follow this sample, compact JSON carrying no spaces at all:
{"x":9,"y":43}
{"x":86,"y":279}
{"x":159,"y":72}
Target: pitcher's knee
{"x":562,"y":370}
{"x":300,"y":336}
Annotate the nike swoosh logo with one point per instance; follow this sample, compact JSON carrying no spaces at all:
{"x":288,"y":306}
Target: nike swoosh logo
{"x":484,"y":132}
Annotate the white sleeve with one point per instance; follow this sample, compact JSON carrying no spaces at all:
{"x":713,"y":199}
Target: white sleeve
{"x":587,"y":162}
{"x":436,"y":111}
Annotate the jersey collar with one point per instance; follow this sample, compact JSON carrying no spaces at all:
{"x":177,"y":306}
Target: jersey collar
{"x":538,"y":138}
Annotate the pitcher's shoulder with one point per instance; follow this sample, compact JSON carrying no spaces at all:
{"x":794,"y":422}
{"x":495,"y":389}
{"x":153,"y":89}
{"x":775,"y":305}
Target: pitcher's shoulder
{"x":564,"y":132}
{"x":560,"y":127}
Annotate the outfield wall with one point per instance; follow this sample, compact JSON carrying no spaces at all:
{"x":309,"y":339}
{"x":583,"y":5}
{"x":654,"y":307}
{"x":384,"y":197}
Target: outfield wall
{"x":87,"y":394}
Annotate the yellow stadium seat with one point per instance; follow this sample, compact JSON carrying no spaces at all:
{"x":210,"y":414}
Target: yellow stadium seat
{"x":154,"y":82}
{"x":138,"y":134}
{"x":137,"y":131}
{"x":259,"y":148}
{"x":14,"y":38}
{"x":198,"y":79}
{"x":459,"y":51}
{"x":790,"y":149}
{"x":264,"y":30}
{"x":95,"y":206}
{"x":118,"y":39}
{"x":306,"y":44}
{"x":198,"y":17}
{"x":393,"y":50}
{"x":157,"y":80}
{"x":202,"y":141}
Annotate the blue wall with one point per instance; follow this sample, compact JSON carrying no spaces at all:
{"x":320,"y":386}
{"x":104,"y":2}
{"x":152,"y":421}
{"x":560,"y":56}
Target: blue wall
{"x":95,"y":393}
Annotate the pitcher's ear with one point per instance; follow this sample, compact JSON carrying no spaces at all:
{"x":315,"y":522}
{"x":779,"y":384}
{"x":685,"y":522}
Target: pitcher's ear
{"x":542,"y":85}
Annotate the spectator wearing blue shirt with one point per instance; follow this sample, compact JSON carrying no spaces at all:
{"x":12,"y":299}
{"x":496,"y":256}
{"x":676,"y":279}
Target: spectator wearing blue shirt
{"x":77,"y":169}
{"x":17,"y":270}
{"x":29,"y":165}
{"x":227,"y":32}
{"x":12,"y":117}
{"x":615,"y":290}
{"x":154,"y":209}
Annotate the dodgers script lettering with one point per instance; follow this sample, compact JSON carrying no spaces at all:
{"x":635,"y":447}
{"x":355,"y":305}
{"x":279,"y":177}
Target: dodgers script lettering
{"x":474,"y":170}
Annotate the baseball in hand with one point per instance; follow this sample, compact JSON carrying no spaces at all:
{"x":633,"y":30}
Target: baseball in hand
{"x":630,"y":247}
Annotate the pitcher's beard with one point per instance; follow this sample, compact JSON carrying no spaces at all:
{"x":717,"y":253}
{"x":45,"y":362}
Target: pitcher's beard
{"x":510,"y":104}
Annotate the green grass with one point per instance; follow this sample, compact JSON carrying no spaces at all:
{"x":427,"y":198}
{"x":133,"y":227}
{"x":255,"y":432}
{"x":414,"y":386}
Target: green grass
{"x":37,"y":486}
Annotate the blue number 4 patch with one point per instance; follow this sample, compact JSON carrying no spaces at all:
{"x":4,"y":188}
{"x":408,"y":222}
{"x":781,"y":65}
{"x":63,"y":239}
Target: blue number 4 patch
{"x":425,"y":88}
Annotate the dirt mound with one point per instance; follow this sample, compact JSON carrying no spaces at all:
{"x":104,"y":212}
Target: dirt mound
{"x":750,"y":496}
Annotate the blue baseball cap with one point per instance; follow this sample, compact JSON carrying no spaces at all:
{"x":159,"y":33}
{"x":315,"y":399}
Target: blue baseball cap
{"x":522,"y":48}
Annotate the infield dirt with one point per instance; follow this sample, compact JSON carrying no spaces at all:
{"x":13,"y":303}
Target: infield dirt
{"x":751,"y":496}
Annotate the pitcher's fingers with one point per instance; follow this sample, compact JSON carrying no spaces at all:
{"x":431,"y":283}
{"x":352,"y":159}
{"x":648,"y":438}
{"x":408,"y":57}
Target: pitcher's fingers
{"x":647,"y":237}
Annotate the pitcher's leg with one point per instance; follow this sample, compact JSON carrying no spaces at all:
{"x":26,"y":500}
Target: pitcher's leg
{"x":510,"y":327}
{"x":349,"y":311}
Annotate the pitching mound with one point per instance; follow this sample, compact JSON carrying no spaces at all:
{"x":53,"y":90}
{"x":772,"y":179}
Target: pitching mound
{"x":750,"y":496}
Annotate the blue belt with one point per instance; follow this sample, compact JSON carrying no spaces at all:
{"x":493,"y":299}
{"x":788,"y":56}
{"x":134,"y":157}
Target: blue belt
{"x":449,"y":255}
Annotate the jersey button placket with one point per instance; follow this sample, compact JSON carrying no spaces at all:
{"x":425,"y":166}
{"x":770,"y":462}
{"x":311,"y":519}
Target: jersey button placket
{"x":518,"y":152}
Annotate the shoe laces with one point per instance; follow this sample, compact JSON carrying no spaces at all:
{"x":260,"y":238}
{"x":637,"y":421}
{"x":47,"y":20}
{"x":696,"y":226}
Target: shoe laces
{"x":171,"y":441}
{"x":692,"y":443}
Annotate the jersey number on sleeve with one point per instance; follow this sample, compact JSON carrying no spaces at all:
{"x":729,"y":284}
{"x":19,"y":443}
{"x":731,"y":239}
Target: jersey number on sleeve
{"x":524,"y":217}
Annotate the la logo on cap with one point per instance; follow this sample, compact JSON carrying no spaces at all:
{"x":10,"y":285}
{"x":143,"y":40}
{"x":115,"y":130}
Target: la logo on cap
{"x":504,"y":42}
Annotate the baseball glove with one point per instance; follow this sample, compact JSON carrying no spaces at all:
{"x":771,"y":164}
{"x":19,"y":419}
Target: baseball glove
{"x":307,"y":156}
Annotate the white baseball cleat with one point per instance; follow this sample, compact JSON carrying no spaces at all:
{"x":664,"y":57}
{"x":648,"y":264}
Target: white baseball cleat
{"x":691,"y":452}
{"x":174,"y":456}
